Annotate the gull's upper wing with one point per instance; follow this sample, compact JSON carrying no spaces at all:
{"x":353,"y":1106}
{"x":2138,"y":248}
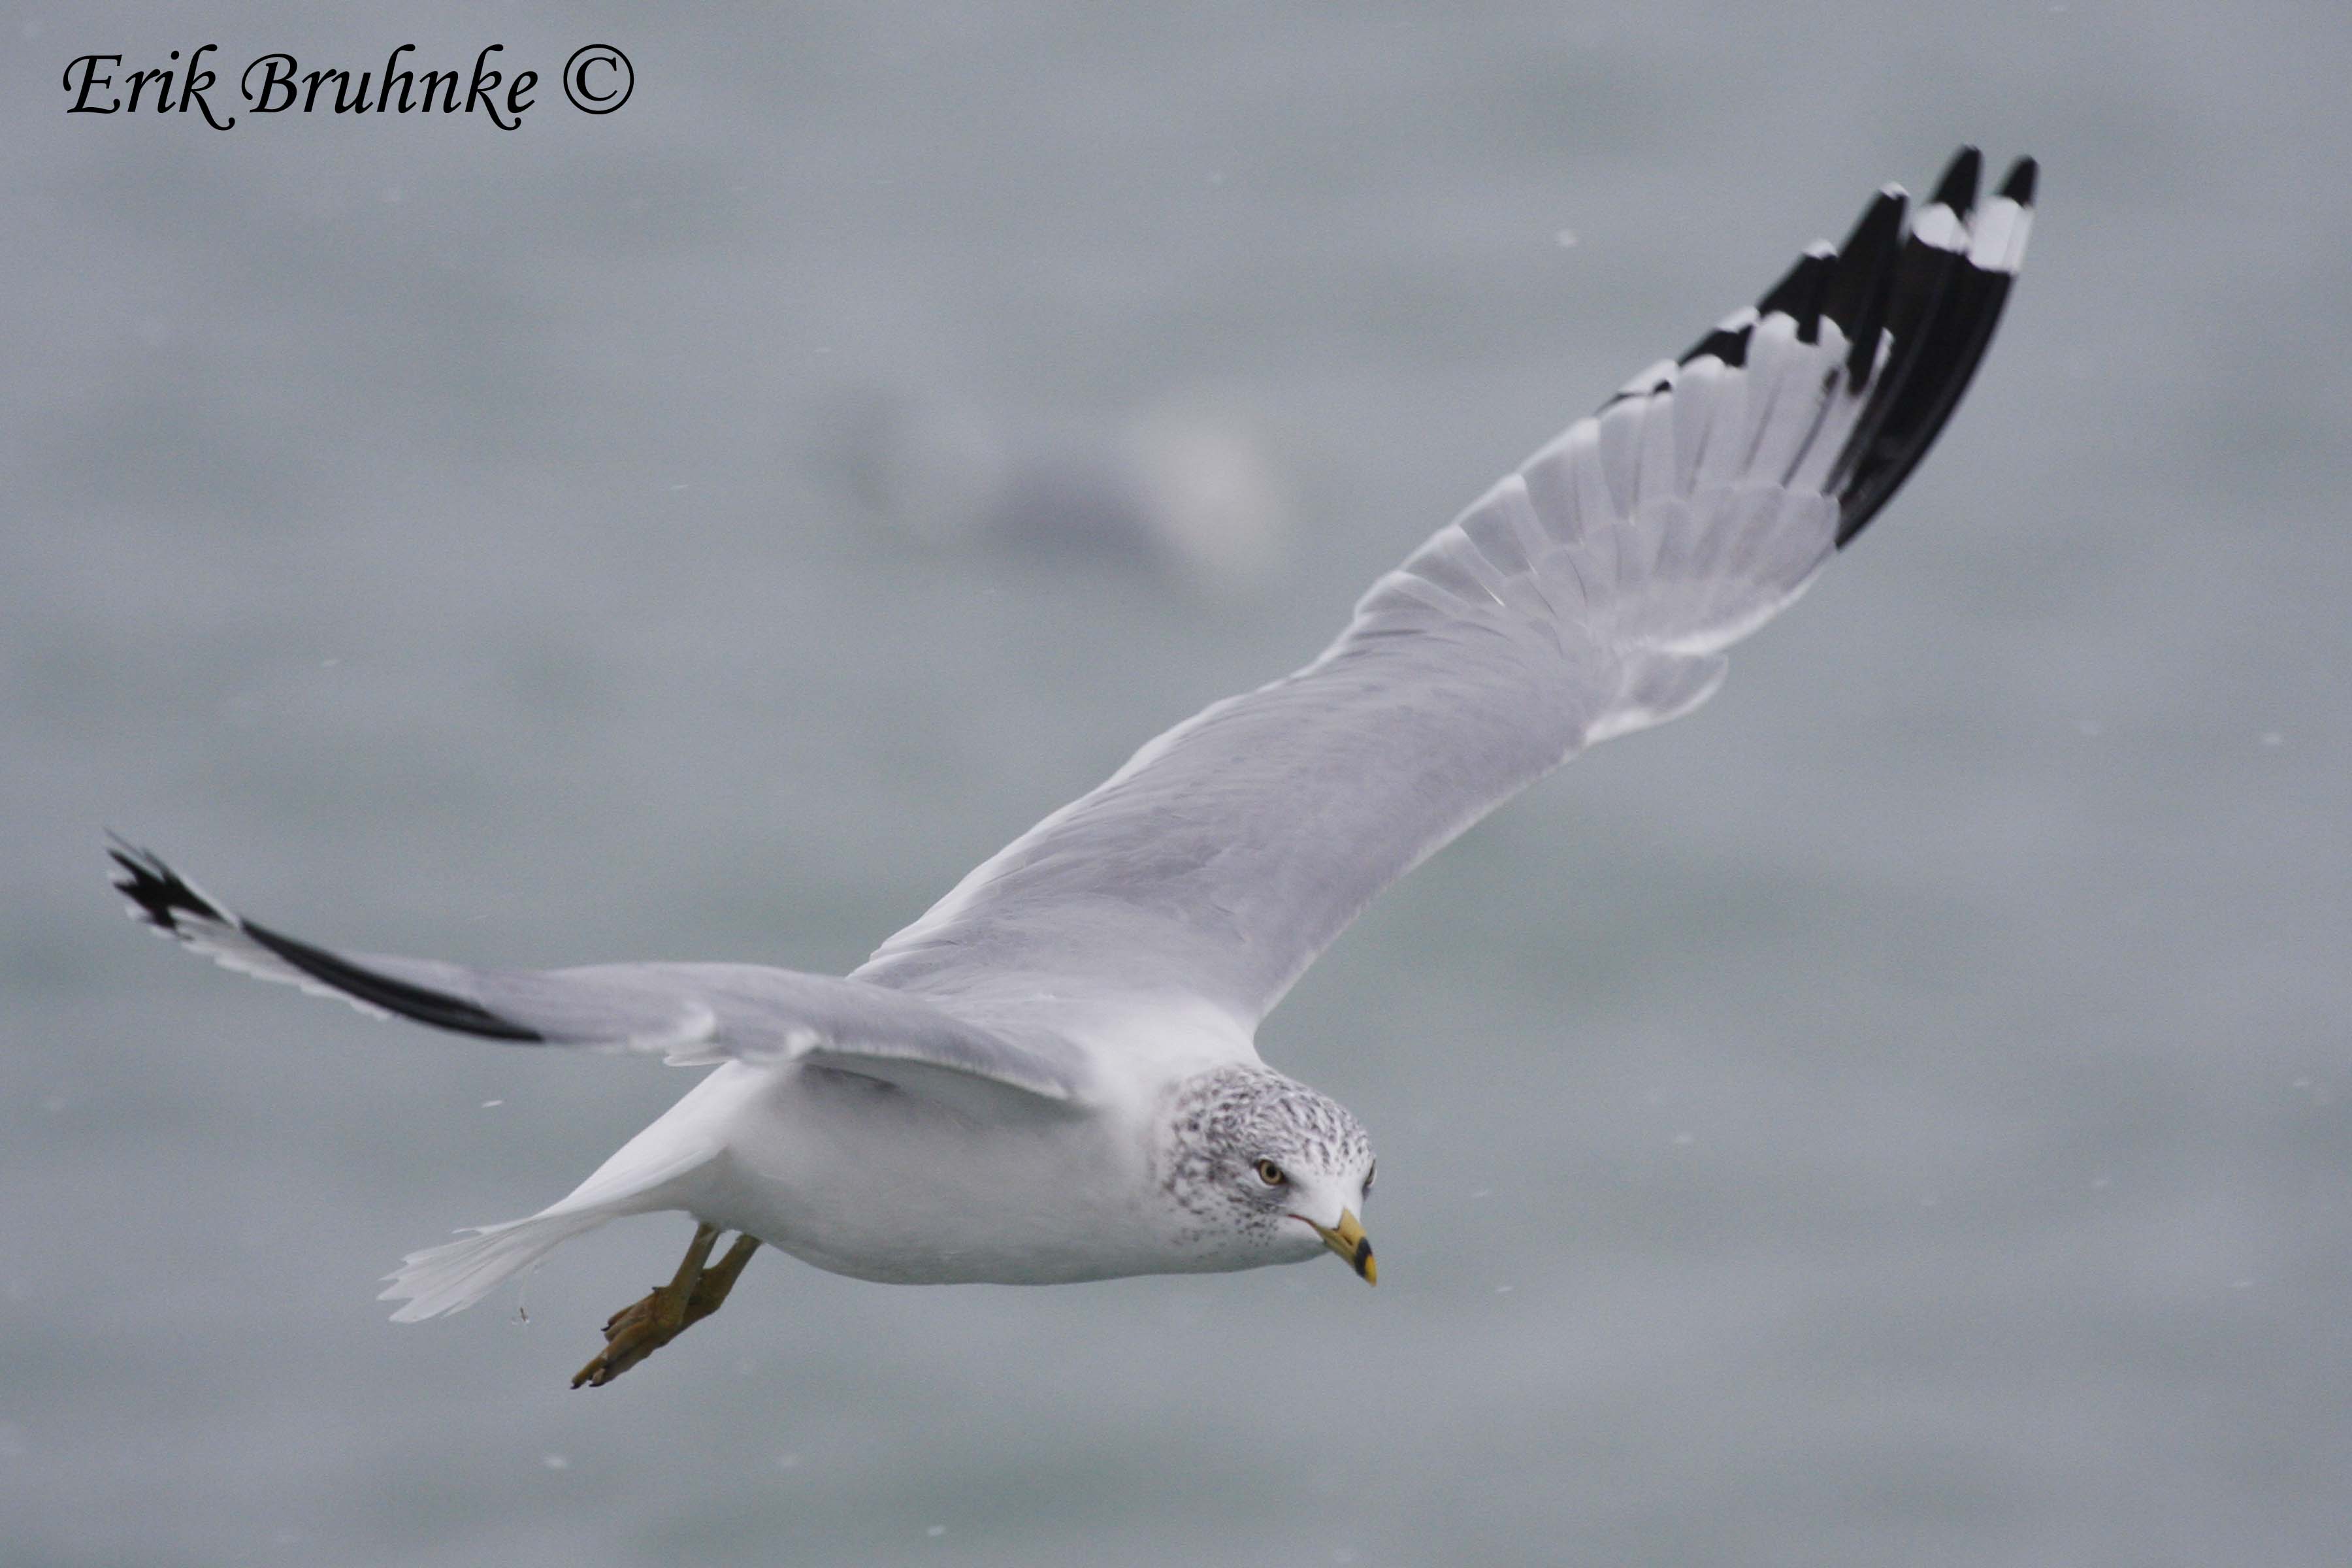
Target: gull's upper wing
{"x":1587,"y":594}
{"x":691,"y":1014}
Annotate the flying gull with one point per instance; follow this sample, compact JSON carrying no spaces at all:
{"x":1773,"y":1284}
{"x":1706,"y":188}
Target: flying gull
{"x":1051,"y":1075}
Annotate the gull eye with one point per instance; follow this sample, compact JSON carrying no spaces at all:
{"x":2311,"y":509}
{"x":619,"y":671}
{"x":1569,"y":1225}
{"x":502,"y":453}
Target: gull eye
{"x":1271,"y":1173}
{"x":1370,"y":1172}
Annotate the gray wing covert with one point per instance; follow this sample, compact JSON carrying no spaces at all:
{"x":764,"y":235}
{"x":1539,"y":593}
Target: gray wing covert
{"x":1587,"y":594}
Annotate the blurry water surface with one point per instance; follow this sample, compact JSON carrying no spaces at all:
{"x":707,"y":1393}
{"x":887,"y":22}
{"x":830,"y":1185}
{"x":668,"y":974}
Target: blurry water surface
{"x":1901,"y":1115}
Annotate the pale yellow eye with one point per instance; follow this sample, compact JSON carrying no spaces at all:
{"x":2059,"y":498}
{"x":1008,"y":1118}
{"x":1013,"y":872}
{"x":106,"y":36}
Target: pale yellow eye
{"x":1271,"y":1173}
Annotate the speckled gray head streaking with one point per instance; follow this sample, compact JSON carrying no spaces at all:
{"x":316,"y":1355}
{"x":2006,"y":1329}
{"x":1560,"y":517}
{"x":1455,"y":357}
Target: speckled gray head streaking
{"x":1247,"y":1154}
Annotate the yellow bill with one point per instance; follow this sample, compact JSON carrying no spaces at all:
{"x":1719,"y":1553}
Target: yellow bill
{"x":1348,"y":1239}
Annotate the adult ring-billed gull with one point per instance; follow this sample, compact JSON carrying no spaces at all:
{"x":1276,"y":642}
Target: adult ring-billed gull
{"x":1052,"y":1075}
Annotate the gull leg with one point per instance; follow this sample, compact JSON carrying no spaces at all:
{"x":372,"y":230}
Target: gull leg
{"x":643,"y":1327}
{"x":710,"y":1290}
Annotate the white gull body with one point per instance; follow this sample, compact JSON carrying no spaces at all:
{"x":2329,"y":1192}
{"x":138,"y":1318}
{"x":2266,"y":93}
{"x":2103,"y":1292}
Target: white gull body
{"x":1052,"y":1075}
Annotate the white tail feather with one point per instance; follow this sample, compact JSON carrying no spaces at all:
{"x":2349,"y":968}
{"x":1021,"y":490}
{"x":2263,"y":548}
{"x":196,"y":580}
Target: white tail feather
{"x":451,"y":1277}
{"x":640,"y":1177}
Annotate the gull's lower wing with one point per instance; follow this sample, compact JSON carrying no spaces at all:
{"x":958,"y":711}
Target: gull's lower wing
{"x":692,"y":1014}
{"x":1587,"y":594}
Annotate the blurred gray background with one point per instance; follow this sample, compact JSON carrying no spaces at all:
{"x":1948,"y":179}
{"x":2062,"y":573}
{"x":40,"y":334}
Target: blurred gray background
{"x":1901,"y":1115}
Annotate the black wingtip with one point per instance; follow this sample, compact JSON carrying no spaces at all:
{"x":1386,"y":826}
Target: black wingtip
{"x":1858,"y":291}
{"x":158,"y":892}
{"x":1879,"y":226}
{"x":161,"y":896}
{"x":421,"y":1002}
{"x":1958,"y":188}
{"x":1727,"y":342}
{"x":1802,"y":293}
{"x":1954,"y":301}
{"x":2017,"y":184}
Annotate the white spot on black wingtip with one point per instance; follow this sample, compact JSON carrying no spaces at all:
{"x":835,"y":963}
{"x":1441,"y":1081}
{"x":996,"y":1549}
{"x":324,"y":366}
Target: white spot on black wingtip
{"x":1914,"y":307}
{"x":1943,"y":221}
{"x":1997,"y":237}
{"x":1952,"y":279}
{"x":1938,"y":228}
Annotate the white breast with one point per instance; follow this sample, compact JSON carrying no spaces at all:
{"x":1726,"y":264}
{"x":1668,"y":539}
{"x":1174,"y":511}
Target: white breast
{"x":862,"y":1179}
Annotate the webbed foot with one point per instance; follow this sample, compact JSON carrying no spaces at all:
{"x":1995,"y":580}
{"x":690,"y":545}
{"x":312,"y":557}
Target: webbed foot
{"x":697,"y":1289}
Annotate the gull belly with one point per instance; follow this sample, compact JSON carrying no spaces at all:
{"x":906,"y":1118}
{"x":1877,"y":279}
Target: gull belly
{"x":862,"y":1179}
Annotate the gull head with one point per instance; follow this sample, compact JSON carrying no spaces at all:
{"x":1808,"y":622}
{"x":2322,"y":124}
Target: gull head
{"x":1256,"y":1168}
